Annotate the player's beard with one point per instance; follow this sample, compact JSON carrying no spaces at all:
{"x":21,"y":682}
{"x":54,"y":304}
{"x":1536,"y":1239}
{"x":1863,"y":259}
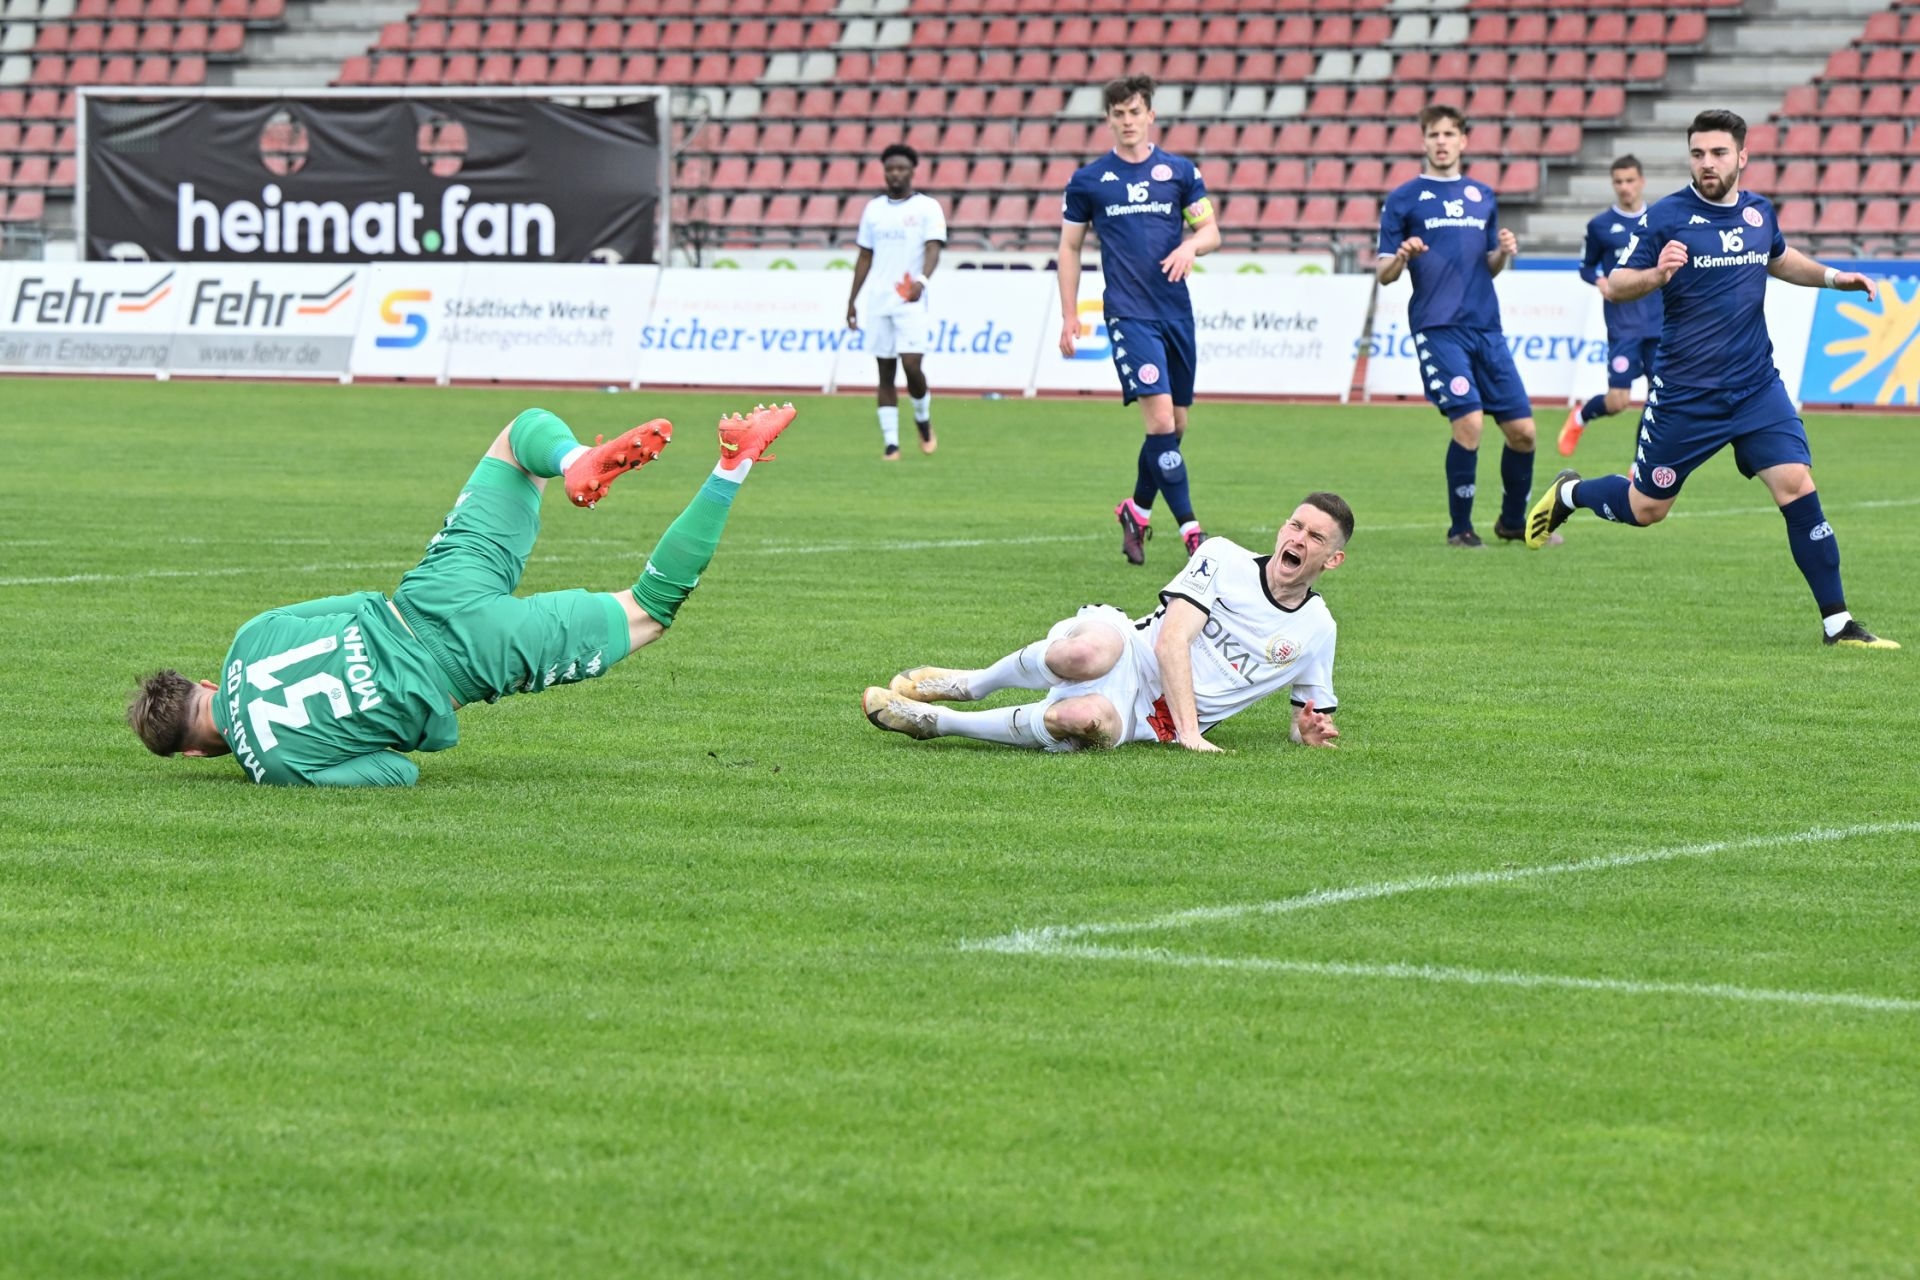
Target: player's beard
{"x":1716,"y":186}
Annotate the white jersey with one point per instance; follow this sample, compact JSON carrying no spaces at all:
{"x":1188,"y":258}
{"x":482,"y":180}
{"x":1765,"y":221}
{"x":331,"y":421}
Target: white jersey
{"x":897,"y":231}
{"x":1250,"y":646}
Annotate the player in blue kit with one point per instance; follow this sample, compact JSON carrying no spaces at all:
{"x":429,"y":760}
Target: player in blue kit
{"x":1138,"y":199}
{"x":1709,"y":249}
{"x":1633,"y":328}
{"x":1444,"y":228}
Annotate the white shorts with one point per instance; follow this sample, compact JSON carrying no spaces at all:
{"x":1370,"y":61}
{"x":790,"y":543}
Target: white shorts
{"x":1133,"y":686}
{"x":896,"y":333}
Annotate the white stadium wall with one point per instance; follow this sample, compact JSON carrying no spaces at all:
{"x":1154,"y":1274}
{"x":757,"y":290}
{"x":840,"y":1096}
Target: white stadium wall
{"x":1258,"y":335}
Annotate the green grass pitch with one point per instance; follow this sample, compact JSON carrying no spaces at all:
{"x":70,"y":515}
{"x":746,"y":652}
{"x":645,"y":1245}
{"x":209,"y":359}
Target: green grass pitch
{"x":668,"y":973}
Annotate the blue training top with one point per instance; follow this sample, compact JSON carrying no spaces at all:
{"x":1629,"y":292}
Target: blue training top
{"x":1138,"y":211}
{"x":1607,"y":236}
{"x":1459,"y":220}
{"x":1714,"y":334}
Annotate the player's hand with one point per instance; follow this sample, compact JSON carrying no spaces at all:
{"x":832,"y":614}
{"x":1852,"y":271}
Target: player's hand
{"x":1605,"y":287}
{"x":909,"y":289}
{"x":1854,"y":282}
{"x":1314,"y":728}
{"x":1178,"y":265}
{"x":1069,"y":331}
{"x":1509,"y":242}
{"x":1672,"y":257}
{"x":1197,"y":743}
{"x":853,"y":315}
{"x":1410,"y":248}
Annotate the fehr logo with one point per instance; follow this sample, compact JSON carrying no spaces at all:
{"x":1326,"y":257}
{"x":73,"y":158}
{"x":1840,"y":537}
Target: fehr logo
{"x":77,"y":305}
{"x":416,"y":321}
{"x":1093,"y":342}
{"x":1856,"y":340}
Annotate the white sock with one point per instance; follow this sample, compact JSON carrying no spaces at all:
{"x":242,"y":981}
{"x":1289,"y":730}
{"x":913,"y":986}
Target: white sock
{"x":572,"y":456}
{"x":1189,"y":527}
{"x":1140,"y":513}
{"x":1021,"y":726}
{"x":1566,"y":492}
{"x":1837,"y":623}
{"x":890,"y":425}
{"x":738,"y":473}
{"x":923,"y":407}
{"x":1024,"y":668}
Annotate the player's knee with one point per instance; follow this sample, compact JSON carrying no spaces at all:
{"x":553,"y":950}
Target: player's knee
{"x":1085,"y":655}
{"x":1091,"y":720}
{"x":1791,"y":483}
{"x":1519,"y":432}
{"x":1466,"y":430}
{"x":1648,"y":510}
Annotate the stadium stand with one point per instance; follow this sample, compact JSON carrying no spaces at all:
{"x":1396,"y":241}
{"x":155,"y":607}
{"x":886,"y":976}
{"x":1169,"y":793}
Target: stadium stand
{"x":1299,"y":111}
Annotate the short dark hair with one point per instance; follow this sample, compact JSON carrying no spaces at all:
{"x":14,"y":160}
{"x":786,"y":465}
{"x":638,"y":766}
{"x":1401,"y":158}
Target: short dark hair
{"x":1626,"y":162}
{"x":161,"y":710}
{"x":901,"y":149}
{"x":1720,"y":120}
{"x":1437,"y":111}
{"x":1119,"y":89}
{"x":1336,"y":506}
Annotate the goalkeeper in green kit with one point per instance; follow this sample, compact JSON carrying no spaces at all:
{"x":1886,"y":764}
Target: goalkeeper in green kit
{"x":330,"y":692}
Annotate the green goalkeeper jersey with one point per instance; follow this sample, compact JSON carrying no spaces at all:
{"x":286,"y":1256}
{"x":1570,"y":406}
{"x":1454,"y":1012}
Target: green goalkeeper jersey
{"x":328,"y":693}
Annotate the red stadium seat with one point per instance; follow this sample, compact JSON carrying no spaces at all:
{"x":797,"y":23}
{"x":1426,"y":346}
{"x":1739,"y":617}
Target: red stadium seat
{"x":26,"y":206}
{"x":1837,"y":218}
{"x":1329,"y":177}
{"x":1801,"y":140}
{"x":1279,"y":213}
{"x":1884,"y":64}
{"x":1359,"y":213}
{"x":1319,"y":213}
{"x":1762,"y":140}
{"x":1843,"y":139}
{"x":1877,"y":217}
{"x":1520,"y":178}
{"x":1797,"y":178}
{"x":1796,"y":217}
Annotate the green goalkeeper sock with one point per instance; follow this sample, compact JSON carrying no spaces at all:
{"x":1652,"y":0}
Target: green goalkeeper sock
{"x":685,"y":550}
{"x":541,"y":442}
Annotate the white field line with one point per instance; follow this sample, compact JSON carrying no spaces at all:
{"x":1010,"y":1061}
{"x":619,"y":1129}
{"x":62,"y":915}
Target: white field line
{"x":776,"y":548}
{"x":1496,"y":978}
{"x":1063,"y":940}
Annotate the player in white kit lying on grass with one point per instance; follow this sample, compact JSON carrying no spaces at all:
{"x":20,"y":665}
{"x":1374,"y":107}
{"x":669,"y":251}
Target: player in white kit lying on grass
{"x":1231,"y":629}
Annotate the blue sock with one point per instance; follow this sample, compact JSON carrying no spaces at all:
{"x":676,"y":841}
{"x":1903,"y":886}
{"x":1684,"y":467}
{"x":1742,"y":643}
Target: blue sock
{"x":1146,"y":481}
{"x":1594,"y":408}
{"x":1516,"y":486}
{"x":1816,"y":550}
{"x":1462,"y":466}
{"x":1171,"y":467}
{"x":1606,"y":497}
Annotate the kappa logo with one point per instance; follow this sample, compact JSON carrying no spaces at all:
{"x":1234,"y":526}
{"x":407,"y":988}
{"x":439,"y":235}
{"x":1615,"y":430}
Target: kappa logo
{"x":1665,"y":477}
{"x":1109,"y":176}
{"x":1434,"y":385}
{"x":1428,"y":195}
{"x":1615,"y":227}
{"x":1696,"y":221}
{"x":1433,"y":368}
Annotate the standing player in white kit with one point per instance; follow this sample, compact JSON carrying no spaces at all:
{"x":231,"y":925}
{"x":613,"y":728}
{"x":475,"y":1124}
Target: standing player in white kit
{"x":900,"y":238}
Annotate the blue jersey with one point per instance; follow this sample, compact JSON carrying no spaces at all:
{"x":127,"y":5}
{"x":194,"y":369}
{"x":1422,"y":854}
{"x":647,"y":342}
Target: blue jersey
{"x":1139,"y":213}
{"x":1715,"y":331}
{"x":1460,"y":223}
{"x":1607,"y":237}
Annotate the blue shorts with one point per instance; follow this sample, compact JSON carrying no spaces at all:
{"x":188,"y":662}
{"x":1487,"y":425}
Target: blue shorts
{"x":1630,"y":359}
{"x":1683,"y":426}
{"x":1153,"y":358}
{"x":1471,"y":371}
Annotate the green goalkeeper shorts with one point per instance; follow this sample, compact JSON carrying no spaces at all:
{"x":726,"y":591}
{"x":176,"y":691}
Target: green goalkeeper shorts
{"x":459,"y":599}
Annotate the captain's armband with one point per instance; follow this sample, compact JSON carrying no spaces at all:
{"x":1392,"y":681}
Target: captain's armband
{"x":1198,"y":212}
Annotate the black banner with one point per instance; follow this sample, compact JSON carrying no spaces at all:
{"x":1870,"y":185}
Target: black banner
{"x":370,"y":179}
